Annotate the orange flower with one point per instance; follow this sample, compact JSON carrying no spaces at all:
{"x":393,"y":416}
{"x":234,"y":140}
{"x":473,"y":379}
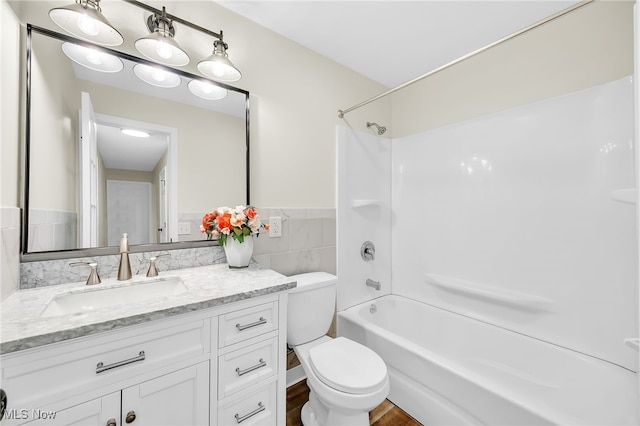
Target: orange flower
{"x":224,"y":221}
{"x":266,"y":226}
{"x":251,"y":213}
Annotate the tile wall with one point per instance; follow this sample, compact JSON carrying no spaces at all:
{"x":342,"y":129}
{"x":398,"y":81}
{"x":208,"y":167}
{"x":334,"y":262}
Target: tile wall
{"x":9,"y":251}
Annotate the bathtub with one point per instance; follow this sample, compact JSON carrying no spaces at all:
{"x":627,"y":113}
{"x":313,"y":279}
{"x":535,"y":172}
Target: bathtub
{"x":448,"y":369}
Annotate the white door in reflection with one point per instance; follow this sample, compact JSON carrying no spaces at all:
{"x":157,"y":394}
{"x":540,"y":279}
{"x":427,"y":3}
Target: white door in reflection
{"x":128,"y":210}
{"x":88,"y":153}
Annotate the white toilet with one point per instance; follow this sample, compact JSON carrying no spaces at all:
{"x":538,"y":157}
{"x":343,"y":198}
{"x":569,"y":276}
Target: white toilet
{"x":346,"y":379}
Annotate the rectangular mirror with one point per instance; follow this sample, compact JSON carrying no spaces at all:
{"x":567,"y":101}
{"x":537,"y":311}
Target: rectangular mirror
{"x":114,"y":151}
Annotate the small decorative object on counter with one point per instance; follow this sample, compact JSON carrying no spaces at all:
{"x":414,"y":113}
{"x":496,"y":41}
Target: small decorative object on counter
{"x":234,"y":228}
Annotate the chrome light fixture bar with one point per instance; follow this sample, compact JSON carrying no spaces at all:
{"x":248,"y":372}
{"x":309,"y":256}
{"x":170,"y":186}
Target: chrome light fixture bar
{"x":84,"y":20}
{"x":217,"y":66}
{"x":160,"y":46}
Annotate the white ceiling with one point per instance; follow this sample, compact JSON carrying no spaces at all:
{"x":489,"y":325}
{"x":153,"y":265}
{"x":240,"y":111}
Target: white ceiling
{"x":394,"y":41}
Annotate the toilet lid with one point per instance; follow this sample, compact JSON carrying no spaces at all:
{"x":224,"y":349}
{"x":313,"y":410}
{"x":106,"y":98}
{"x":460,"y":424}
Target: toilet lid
{"x":348,"y":366}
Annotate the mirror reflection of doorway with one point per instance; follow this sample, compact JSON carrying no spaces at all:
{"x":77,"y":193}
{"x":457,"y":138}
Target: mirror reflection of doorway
{"x":133,"y":151}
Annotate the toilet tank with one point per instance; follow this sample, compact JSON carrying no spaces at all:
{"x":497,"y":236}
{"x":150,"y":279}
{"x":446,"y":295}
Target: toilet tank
{"x":311,"y":307}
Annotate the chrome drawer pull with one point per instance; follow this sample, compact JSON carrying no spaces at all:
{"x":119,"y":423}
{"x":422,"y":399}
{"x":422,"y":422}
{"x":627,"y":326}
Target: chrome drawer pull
{"x":240,"y":419}
{"x":101,"y":367}
{"x":253,"y":324}
{"x":260,"y":364}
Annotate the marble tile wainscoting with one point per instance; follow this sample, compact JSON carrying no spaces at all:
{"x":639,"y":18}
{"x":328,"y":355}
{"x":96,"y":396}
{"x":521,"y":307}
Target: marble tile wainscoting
{"x":307,"y":244}
{"x":9,"y":251}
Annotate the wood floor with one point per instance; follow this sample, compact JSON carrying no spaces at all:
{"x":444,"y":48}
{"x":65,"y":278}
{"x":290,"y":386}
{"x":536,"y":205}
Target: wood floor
{"x":386,"y":414}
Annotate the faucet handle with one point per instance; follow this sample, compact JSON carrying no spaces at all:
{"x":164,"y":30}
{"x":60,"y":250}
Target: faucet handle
{"x":153,"y":269}
{"x":93,"y":278}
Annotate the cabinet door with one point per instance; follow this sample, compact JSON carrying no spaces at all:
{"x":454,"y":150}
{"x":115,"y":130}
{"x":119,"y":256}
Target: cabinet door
{"x":103,"y":411}
{"x":178,"y":398}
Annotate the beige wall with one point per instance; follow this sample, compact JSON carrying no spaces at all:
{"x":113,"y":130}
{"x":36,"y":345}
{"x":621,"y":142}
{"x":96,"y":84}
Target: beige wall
{"x":587,"y":47}
{"x":10,"y":106}
{"x":54,"y":128}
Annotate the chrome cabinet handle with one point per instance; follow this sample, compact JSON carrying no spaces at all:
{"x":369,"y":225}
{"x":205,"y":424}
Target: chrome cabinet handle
{"x":240,"y":419}
{"x":131,"y":417}
{"x":260,"y":364}
{"x":253,"y":324}
{"x":112,"y":422}
{"x":101,"y":367}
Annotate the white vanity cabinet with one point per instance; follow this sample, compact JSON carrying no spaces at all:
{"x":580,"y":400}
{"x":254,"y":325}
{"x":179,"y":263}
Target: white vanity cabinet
{"x":215,"y":366}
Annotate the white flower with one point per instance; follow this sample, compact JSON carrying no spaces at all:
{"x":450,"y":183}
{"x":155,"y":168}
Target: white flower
{"x":240,"y":209}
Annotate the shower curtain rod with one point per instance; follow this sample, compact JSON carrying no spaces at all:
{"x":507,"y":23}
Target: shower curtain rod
{"x":342,"y":112}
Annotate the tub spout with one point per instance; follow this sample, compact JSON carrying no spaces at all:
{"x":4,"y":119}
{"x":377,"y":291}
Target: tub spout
{"x":374,"y":284}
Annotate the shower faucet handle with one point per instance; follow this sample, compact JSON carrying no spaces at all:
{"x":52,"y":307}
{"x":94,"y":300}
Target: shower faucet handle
{"x":368,"y":251}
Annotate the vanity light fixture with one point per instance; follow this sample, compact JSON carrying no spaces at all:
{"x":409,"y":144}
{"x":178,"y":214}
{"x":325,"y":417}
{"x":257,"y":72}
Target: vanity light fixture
{"x":84,"y":20}
{"x":217,"y":65}
{"x":207,"y":90}
{"x":156,"y":76}
{"x":135,"y":133}
{"x":160,"y":45}
{"x":92,"y":58}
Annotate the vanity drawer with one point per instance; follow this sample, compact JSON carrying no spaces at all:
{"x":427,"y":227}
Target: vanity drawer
{"x":243,"y":367}
{"x":61,"y":370}
{"x":257,"y":407}
{"x":246,"y":323}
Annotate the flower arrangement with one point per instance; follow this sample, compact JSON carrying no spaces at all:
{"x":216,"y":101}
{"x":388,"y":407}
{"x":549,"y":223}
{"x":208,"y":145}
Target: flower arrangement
{"x":241,"y":222}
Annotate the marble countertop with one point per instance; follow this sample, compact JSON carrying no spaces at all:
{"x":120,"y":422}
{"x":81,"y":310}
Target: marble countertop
{"x":23,"y":327}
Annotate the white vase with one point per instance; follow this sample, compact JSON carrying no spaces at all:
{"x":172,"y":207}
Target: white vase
{"x":239,"y":254}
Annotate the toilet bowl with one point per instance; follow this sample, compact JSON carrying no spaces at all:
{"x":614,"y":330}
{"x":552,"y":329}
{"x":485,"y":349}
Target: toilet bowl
{"x":346,"y":379}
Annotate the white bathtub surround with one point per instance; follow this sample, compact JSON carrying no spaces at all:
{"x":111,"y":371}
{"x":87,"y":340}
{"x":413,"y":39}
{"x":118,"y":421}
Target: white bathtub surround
{"x":52,"y":272}
{"x":9,"y":251}
{"x":456,"y":370}
{"x":364,"y":214}
{"x":521,"y":226}
{"x":307,"y":244}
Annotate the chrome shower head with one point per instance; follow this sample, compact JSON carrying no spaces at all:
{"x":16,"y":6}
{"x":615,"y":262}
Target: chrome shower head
{"x":381,"y":129}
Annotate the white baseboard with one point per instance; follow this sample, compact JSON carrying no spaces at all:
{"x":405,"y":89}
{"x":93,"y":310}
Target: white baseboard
{"x":295,"y":375}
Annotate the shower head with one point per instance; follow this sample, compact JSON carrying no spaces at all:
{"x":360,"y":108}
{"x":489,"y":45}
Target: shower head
{"x":381,"y":129}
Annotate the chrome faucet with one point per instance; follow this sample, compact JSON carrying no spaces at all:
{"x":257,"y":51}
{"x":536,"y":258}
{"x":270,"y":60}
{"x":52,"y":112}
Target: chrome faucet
{"x":153,"y":268}
{"x":94,"y":278}
{"x":124,"y":270}
{"x":374,"y":284}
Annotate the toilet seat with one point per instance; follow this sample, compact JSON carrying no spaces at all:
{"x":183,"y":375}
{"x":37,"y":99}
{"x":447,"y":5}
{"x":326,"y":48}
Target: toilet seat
{"x":348,"y":366}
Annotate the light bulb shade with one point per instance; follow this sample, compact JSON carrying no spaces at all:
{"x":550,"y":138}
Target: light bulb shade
{"x":86,"y":23}
{"x":92,"y":58}
{"x":156,"y":76}
{"x":207,"y":90}
{"x":220,"y":68}
{"x":161,"y":47}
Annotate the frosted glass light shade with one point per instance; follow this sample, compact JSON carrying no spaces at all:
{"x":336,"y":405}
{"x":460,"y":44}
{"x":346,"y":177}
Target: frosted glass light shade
{"x":86,"y":23}
{"x":206,"y":90}
{"x":220,"y":68}
{"x":163,"y":49}
{"x":92,"y":58}
{"x":156,"y":76}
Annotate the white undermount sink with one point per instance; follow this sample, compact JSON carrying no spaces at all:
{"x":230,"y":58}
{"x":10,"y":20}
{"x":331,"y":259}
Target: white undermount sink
{"x":96,"y":298}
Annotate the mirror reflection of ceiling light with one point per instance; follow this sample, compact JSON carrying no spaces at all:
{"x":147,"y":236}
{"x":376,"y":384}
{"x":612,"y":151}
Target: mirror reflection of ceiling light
{"x":84,"y":20}
{"x":135,"y":133}
{"x":207,"y":90}
{"x":156,"y":76}
{"x":218,"y":66}
{"x":92,"y":58}
{"x":160,"y":46}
